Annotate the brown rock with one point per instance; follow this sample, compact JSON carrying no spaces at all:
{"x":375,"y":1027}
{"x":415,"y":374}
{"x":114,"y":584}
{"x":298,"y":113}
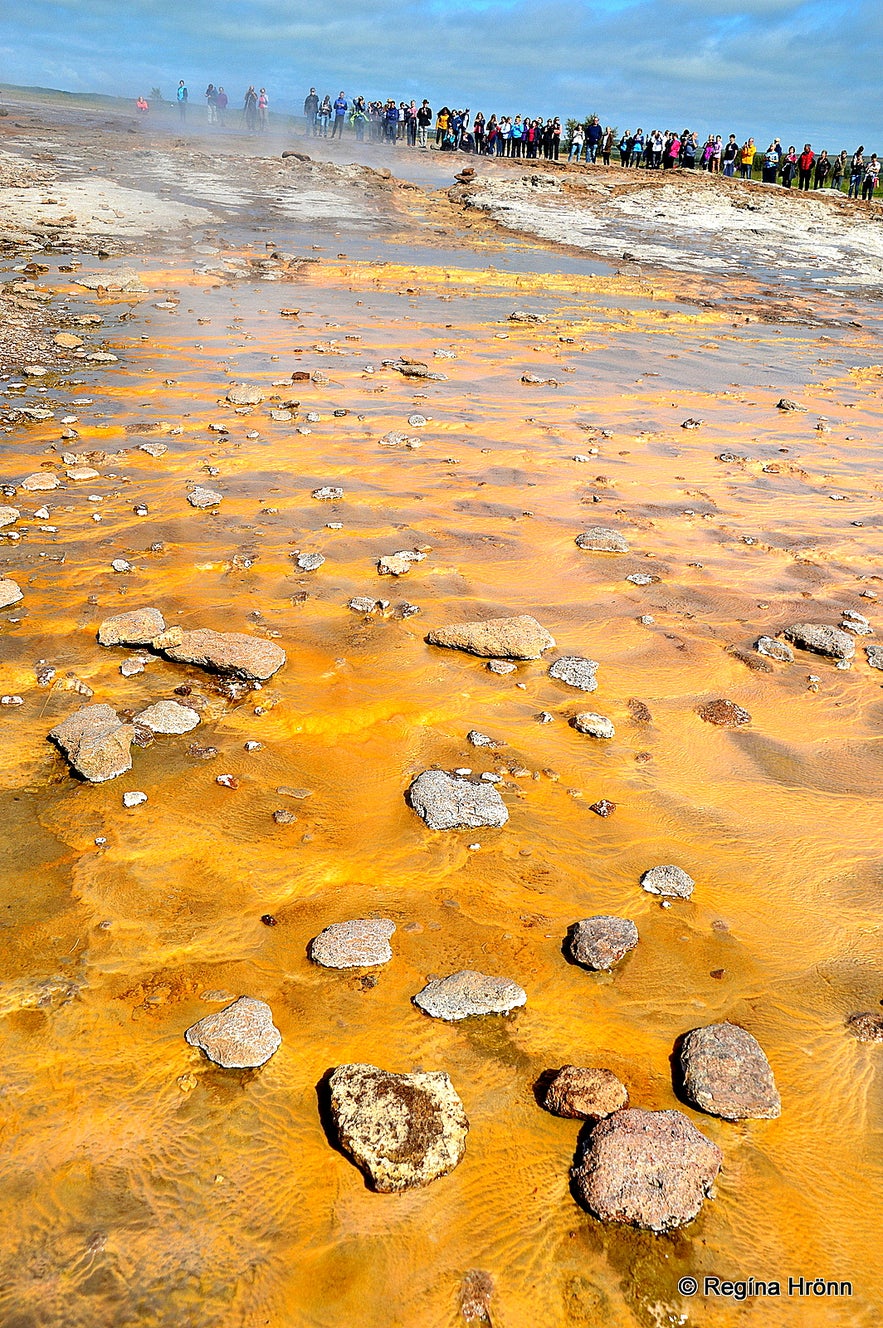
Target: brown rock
{"x":249,"y":657}
{"x":496,"y":638}
{"x":585,"y":1093}
{"x":726,"y":1073}
{"x":96,"y":742}
{"x":725,"y":714}
{"x":648,"y":1169}
{"x":600,"y":942}
{"x":867,"y":1026}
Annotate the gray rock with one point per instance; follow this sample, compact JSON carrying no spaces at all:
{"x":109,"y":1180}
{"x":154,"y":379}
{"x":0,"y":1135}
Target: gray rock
{"x":8,"y":515}
{"x":500,"y":666}
{"x":821,"y":639}
{"x":250,"y":657}
{"x":121,"y":565}
{"x":673,"y":882}
{"x":360,"y":943}
{"x":10,"y":593}
{"x":469,"y":993}
{"x":596,"y":726}
{"x":242,"y":394}
{"x":726,"y":1073}
{"x":96,"y":742}
{"x":648,"y":1169}
{"x":601,"y":539}
{"x":328,"y":493}
{"x":153,"y":449}
{"x":200,"y":497}
{"x":641,"y":579}
{"x":767,"y":645}
{"x":168,"y":717}
{"x":477,"y":739}
{"x":447,"y":802}
{"x":240,"y":1037}
{"x":363,"y":604}
{"x":602,"y":941}
{"x":138,"y":627}
{"x":584,"y":1093}
{"x":576,"y":672}
{"x":310,"y":562}
{"x":785,"y":403}
{"x":496,"y":638}
{"x":402,"y":1130}
{"x":875,"y":656}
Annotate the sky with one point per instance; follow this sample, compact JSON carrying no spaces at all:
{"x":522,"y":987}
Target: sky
{"x":799,"y":69}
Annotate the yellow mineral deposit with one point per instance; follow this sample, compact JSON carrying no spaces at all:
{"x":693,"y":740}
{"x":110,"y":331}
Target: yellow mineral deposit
{"x":142,"y":1184}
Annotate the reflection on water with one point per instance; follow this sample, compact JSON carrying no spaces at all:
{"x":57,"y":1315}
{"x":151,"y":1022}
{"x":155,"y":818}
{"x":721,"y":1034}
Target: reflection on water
{"x":142,"y":1185}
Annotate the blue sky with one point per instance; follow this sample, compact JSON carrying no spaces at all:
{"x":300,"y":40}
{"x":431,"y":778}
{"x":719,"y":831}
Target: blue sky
{"x":802,"y":70}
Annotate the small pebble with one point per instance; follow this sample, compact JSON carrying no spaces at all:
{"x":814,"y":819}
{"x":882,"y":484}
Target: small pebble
{"x":134,"y":799}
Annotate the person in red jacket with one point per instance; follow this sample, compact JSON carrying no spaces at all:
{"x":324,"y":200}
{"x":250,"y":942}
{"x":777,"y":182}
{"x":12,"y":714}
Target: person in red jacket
{"x":805,"y":164}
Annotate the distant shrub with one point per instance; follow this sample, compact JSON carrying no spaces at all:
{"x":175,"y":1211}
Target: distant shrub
{"x":156,"y":95}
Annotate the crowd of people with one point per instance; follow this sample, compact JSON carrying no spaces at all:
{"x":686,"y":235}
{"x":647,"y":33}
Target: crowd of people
{"x":590,"y":142}
{"x":532,"y":137}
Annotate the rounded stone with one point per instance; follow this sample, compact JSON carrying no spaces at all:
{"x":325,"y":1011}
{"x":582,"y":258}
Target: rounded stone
{"x":599,"y":942}
{"x":596,"y":726}
{"x":585,"y":1093}
{"x":601,"y":539}
{"x":168,"y":717}
{"x":450,"y":802}
{"x":359,"y":943}
{"x":726,"y":1073}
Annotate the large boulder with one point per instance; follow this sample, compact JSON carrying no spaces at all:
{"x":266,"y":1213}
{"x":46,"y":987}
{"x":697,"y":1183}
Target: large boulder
{"x":242,"y":1036}
{"x":601,"y":539}
{"x":496,"y":638}
{"x":402,"y":1130}
{"x":576,"y":671}
{"x":821,"y":639}
{"x":584,"y":1093}
{"x":249,"y":657}
{"x":450,"y":802}
{"x":467,"y":993}
{"x":359,"y":943}
{"x":649,"y":1169}
{"x":726,"y":1073}
{"x":96,"y":742}
{"x":600,"y":942}
{"x":138,"y":627}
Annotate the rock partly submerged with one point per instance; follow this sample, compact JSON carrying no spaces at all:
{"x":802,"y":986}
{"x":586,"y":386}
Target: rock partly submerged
{"x":822,"y":639}
{"x":402,"y":1130}
{"x":137,"y":627}
{"x":579,"y":1092}
{"x":576,"y":671}
{"x":647,"y":1169}
{"x":521,"y":637}
{"x":240,"y":1037}
{"x":168,"y":717}
{"x":773,"y":649}
{"x":668,"y":880}
{"x":10,"y":593}
{"x":596,"y":726}
{"x":601,"y":539}
{"x":726,"y":1073}
{"x":452,"y":802}
{"x":250,"y":657}
{"x":357,"y":943}
{"x":724,"y":714}
{"x":467,"y":993}
{"x":96,"y":742}
{"x":600,"y":942}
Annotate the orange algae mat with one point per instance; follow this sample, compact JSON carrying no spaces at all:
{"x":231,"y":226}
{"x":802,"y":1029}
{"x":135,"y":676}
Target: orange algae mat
{"x":142,"y":1185}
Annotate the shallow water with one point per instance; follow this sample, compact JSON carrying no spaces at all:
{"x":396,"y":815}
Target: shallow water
{"x":144,"y":1186}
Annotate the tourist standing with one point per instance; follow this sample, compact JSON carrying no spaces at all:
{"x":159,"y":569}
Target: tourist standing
{"x":311,"y":112}
{"x":594,"y":136}
{"x":250,"y":107}
{"x":341,"y":106}
{"x":576,"y":144}
{"x":424,"y":120}
{"x":181,"y":98}
{"x":746,"y":159}
{"x":838,"y":170}
{"x":872,"y":173}
{"x":856,"y":173}
{"x":211,"y":98}
{"x":263,"y":110}
{"x":789,"y":167}
{"x":823,"y":170}
{"x":770,"y":167}
{"x":730,"y":153}
{"x":805,"y":163}
{"x":442,"y":120}
{"x":222,"y":101}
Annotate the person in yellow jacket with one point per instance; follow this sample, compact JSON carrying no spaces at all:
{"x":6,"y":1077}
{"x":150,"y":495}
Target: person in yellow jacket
{"x":746,"y":157}
{"x":442,"y":121}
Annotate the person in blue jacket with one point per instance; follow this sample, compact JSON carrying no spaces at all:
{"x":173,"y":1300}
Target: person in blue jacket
{"x":341,"y":106}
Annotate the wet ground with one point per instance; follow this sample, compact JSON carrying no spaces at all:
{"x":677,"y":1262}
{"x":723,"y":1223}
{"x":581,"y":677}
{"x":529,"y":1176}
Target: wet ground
{"x":144,"y":1186}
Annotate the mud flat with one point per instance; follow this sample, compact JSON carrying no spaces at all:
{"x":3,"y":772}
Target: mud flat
{"x":215,"y":434}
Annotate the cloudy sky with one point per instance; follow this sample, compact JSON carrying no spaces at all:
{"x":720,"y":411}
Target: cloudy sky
{"x":802,"y":70}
